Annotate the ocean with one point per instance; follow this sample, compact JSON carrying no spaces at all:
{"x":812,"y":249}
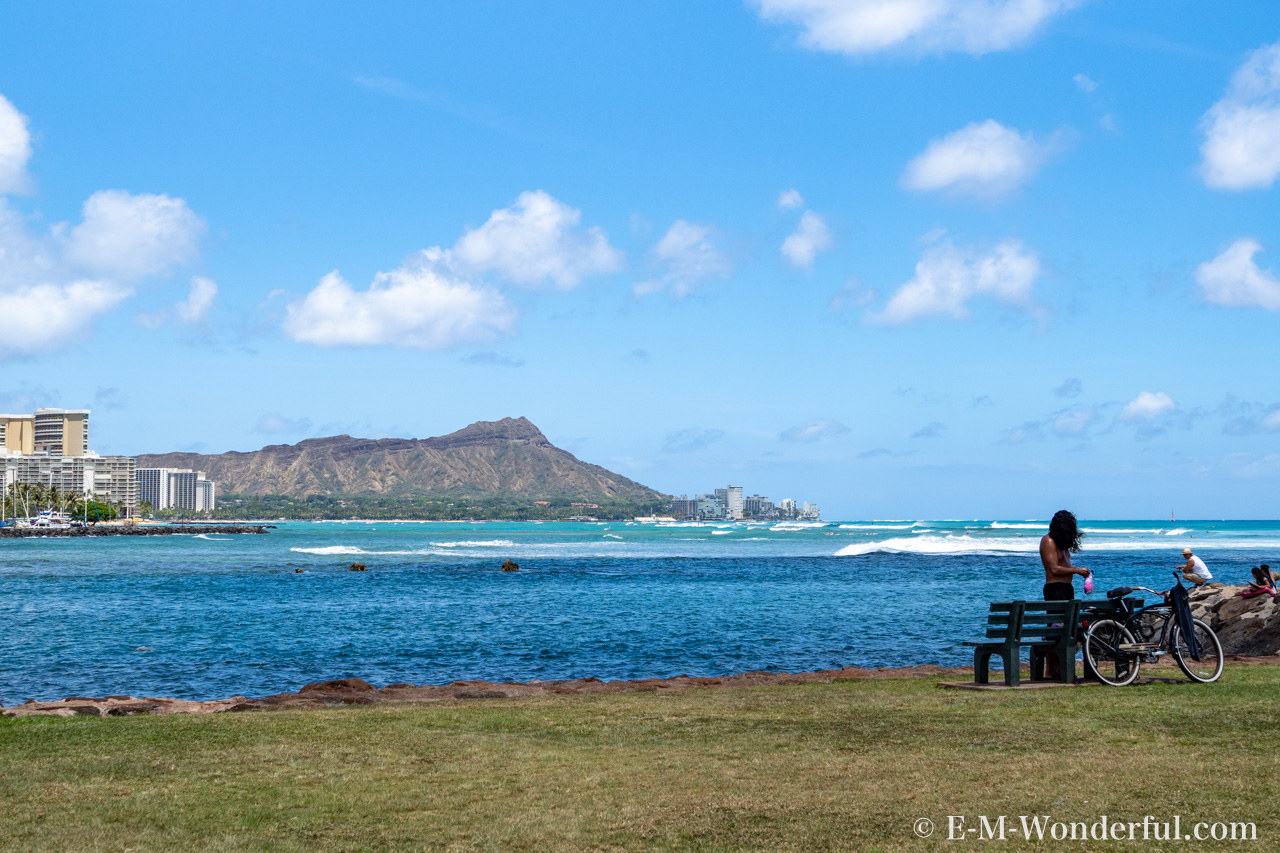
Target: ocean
{"x":202,"y":617}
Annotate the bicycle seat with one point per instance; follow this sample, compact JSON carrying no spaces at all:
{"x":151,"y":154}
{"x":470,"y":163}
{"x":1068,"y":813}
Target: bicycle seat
{"x":1119,"y":592}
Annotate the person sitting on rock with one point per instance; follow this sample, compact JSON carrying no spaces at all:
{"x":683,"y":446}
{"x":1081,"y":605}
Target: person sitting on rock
{"x":1263,"y":583}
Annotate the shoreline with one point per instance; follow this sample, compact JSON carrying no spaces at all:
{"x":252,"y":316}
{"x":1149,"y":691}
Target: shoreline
{"x":131,"y":530}
{"x":357,"y":691}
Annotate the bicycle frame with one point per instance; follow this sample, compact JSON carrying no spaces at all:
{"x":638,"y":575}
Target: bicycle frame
{"x":1162,"y":645}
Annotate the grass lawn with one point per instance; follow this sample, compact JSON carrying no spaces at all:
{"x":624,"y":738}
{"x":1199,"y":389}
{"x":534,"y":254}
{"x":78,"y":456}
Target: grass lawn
{"x":844,"y":765}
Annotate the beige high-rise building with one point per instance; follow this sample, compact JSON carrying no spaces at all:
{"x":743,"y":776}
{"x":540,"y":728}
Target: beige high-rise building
{"x":18,"y":433}
{"x":62,"y":432}
{"x":57,"y":432}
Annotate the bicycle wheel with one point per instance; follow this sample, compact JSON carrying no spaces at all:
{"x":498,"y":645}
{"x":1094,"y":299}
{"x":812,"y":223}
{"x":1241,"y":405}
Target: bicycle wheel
{"x":1102,"y":649}
{"x":1209,"y":667}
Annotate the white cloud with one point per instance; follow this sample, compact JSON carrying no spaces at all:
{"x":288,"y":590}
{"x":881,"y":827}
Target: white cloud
{"x":535,"y":241}
{"x":1241,"y":148}
{"x":53,"y":285}
{"x":133,"y":236}
{"x":688,"y":256}
{"x":46,"y":301}
{"x":15,"y":148}
{"x":196,"y":307}
{"x":1074,"y":421}
{"x":1271,"y":422}
{"x":422,"y":304}
{"x":274,"y":422}
{"x":938,"y":26}
{"x":947,"y":278}
{"x":982,"y":159}
{"x":810,"y":237}
{"x":1069,"y":388}
{"x":1147,"y":406}
{"x":46,"y":315}
{"x":1085,"y":83}
{"x":1234,"y":280}
{"x":932,"y":429}
{"x":814,"y":431}
{"x":790,"y":200}
{"x":690,"y":440}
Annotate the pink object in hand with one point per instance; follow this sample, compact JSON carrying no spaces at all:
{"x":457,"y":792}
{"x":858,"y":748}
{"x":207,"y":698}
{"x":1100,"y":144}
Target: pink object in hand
{"x":1088,"y":583}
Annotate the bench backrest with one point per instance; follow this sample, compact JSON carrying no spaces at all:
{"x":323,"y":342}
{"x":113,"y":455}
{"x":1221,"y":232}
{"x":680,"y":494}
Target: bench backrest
{"x":1021,"y":620}
{"x":1050,"y":620}
{"x":1004,"y":620}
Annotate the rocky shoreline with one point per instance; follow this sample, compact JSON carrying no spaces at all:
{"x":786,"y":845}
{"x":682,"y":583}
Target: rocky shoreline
{"x":357,"y":691}
{"x":131,"y":530}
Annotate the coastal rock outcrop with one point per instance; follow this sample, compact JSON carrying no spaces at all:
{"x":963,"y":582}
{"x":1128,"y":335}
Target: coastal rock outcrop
{"x":1245,"y":626}
{"x":357,"y":691}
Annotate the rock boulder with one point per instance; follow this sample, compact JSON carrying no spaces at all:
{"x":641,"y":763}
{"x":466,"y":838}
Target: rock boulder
{"x":1245,"y":626}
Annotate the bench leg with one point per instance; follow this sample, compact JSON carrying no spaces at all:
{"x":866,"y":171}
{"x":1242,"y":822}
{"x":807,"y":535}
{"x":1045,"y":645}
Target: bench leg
{"x":981,"y":661}
{"x":1066,"y":663}
{"x":1012,"y":667}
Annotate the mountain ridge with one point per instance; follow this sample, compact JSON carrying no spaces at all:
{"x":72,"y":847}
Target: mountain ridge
{"x":487,"y":459}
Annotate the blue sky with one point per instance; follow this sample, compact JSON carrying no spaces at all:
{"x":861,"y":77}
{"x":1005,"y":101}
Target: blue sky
{"x":901,"y":258}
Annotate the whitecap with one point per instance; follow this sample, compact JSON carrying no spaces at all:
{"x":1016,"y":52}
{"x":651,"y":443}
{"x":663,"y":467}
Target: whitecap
{"x":475,"y":543}
{"x":940,"y":545}
{"x":330,"y":549}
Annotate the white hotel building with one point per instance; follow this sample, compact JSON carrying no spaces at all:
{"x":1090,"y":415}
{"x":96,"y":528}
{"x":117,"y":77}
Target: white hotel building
{"x":175,"y":488}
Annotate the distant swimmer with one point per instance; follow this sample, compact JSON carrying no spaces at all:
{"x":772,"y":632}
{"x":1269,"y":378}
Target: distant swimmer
{"x":1194,"y":569}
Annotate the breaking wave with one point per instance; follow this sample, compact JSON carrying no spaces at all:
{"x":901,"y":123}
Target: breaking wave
{"x":331,"y":549}
{"x":475,"y":543}
{"x":941,"y":545}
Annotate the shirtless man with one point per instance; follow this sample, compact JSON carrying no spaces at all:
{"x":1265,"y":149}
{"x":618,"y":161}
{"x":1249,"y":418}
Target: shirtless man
{"x":1055,"y":553}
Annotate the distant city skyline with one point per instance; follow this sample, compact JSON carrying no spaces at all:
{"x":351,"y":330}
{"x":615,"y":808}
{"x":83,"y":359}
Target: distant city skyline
{"x":953,"y":266}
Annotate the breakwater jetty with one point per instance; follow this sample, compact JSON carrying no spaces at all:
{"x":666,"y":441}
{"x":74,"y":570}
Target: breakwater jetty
{"x":131,"y":530}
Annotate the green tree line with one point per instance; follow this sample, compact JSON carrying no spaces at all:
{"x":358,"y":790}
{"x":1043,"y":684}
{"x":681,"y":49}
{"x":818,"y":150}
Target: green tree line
{"x":425,"y":508}
{"x":26,"y":500}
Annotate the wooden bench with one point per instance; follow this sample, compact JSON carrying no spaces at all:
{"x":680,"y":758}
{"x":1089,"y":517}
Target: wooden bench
{"x":1048,"y":628}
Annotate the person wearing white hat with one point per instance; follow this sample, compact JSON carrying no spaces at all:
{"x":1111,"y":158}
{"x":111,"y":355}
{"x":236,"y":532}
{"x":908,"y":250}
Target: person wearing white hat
{"x":1194,"y":569}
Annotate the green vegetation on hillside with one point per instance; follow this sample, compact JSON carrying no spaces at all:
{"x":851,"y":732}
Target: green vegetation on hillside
{"x":847,"y":765}
{"x":422,"y":508}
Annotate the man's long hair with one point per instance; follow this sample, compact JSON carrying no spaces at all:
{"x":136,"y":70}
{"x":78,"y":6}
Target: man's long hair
{"x":1064,"y":532}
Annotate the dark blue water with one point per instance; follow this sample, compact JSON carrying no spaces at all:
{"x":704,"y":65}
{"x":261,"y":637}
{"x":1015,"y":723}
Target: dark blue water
{"x":206,"y":618}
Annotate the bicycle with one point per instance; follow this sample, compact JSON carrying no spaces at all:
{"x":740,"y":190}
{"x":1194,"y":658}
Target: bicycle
{"x":1116,"y":648}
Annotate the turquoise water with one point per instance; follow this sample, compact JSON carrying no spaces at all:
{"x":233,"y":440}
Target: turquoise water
{"x":206,"y":617}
